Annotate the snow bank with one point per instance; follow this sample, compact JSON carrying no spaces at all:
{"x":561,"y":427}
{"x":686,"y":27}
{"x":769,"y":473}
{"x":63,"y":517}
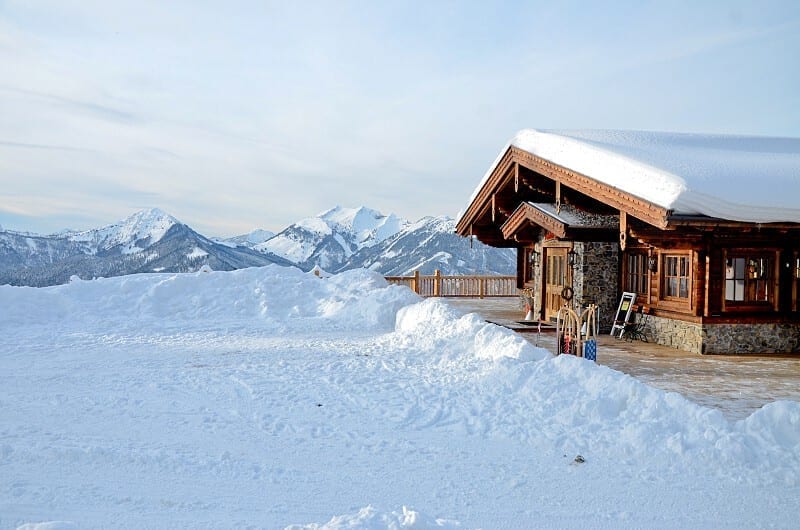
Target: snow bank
{"x":271,"y":298}
{"x":323,"y":395}
{"x":585,"y":408}
{"x":436,"y":328}
{"x":371,"y":519}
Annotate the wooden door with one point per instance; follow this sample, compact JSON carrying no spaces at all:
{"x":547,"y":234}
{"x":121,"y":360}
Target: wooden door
{"x":555,"y":274}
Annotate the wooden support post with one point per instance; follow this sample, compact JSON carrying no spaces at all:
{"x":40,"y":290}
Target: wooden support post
{"x":493,"y":209}
{"x":482,"y":288}
{"x":416,"y":282}
{"x":558,"y":196}
{"x":437,"y":283}
{"x":623,"y":230}
{"x":707,"y":296}
{"x":516,"y":177}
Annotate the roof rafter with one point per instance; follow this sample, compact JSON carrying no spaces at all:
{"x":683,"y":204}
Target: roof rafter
{"x":507,"y":172}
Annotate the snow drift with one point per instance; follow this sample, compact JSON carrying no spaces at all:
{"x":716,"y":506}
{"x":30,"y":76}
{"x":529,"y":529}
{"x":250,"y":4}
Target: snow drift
{"x":136,"y":401}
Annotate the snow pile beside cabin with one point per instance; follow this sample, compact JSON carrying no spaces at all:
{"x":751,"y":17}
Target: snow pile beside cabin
{"x":269,"y":397}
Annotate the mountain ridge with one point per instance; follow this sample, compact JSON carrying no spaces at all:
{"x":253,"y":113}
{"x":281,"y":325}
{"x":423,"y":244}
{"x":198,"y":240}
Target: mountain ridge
{"x":335,"y":240}
{"x":146,"y":241}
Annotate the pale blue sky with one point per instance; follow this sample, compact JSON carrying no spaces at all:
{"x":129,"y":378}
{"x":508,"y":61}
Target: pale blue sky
{"x":241,"y":115}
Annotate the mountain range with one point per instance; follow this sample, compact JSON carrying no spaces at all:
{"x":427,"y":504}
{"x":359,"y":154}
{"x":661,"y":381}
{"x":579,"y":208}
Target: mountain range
{"x":336,"y":240}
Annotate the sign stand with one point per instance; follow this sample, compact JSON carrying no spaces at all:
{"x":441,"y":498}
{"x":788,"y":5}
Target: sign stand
{"x":625,"y":308}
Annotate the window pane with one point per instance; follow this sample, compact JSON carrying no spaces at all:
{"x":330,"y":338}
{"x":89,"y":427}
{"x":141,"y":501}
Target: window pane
{"x":738,"y":267}
{"x":729,"y":286}
{"x":672,"y":287}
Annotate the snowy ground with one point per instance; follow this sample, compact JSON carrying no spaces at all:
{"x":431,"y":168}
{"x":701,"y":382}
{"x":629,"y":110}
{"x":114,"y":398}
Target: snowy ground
{"x":736,"y":385}
{"x":268,"y":398}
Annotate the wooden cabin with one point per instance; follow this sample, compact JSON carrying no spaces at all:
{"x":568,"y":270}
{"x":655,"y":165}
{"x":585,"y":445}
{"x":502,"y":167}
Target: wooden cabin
{"x":704,"y":229}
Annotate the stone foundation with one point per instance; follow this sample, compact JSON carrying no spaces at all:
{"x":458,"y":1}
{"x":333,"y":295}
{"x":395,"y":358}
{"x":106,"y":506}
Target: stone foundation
{"x":724,"y":338}
{"x":678,"y":334}
{"x":751,"y":338}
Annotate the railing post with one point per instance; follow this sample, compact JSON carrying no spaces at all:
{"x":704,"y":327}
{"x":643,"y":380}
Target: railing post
{"x":416,"y":281}
{"x":437,"y":283}
{"x":482,"y":287}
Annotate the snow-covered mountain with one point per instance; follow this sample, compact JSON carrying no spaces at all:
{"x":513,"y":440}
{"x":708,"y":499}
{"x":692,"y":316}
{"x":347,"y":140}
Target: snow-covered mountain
{"x":329,"y":239}
{"x":147,"y":241}
{"x":250,"y":239}
{"x":349,"y":238}
{"x":430,"y":244}
{"x":338,"y":239}
{"x":129,"y":236}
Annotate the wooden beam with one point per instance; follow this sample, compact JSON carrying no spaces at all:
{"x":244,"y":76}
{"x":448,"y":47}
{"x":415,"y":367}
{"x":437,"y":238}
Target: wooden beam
{"x":496,"y":180}
{"x":707,"y":294}
{"x":558,"y":196}
{"x":526,"y":214}
{"x":619,"y":199}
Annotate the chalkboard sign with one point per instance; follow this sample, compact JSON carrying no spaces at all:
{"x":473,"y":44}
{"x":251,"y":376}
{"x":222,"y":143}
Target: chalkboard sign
{"x":623,"y":310}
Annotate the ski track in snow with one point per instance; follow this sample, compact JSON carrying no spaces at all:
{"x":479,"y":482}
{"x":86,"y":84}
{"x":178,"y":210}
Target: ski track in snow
{"x":204,"y":424}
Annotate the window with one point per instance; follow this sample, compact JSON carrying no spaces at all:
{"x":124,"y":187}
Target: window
{"x":796,"y":289}
{"x":748,"y":279}
{"x":676,"y":277}
{"x":636,"y":273}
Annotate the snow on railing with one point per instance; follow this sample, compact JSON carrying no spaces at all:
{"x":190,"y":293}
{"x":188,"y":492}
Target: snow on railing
{"x":458,"y":285}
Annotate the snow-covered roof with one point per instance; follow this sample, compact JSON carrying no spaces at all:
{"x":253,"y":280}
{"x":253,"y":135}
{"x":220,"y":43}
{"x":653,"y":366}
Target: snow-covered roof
{"x":739,"y":178}
{"x":575,"y":218}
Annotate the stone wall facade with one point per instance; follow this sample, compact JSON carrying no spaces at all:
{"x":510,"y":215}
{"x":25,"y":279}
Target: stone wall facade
{"x":724,"y":338}
{"x":595,"y":280}
{"x":686,"y":336}
{"x":751,"y":338}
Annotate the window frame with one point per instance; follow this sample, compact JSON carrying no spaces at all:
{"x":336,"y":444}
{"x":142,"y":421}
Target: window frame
{"x":664,"y":278}
{"x":642,"y":275}
{"x":795,"y":281}
{"x":772,"y":281}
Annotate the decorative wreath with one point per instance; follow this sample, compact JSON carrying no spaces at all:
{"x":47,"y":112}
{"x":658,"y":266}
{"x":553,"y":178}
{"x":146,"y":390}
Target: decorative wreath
{"x":567,"y":293}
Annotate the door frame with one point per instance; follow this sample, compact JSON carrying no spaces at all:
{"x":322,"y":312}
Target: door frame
{"x":554,"y":248}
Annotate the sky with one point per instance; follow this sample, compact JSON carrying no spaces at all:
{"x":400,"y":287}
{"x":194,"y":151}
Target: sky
{"x":239,"y":115}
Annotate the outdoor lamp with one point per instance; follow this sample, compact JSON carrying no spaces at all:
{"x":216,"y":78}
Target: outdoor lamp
{"x":572,"y":257}
{"x":534,"y":257}
{"x":652,"y":263}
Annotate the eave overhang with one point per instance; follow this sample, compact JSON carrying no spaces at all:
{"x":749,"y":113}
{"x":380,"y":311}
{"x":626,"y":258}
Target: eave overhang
{"x":505,"y":172}
{"x":562,"y":222}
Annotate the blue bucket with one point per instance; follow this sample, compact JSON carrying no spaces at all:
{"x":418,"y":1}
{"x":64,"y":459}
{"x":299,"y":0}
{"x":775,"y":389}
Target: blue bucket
{"x":590,"y":350}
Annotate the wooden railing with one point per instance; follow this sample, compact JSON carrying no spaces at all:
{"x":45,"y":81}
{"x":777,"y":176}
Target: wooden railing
{"x":467,"y":286}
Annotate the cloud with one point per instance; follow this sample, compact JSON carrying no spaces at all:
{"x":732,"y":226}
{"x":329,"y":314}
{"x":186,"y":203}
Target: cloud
{"x":256,"y":114}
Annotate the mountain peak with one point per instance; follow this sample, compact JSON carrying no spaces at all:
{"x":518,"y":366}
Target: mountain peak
{"x":150,"y":223}
{"x":147,"y":226}
{"x":331,"y":237}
